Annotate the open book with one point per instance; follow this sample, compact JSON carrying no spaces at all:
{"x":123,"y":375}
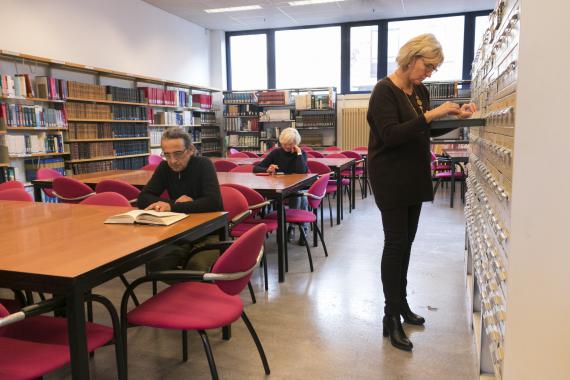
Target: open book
{"x":147,"y":217}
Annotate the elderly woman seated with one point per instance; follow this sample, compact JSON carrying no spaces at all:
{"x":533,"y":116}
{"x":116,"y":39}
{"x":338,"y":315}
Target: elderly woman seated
{"x":288,"y":159}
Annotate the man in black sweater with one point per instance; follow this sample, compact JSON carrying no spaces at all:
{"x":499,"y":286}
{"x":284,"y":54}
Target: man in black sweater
{"x":192,"y":186}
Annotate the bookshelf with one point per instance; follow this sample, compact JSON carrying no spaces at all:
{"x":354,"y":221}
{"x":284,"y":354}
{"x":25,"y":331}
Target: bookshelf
{"x":253,"y":119}
{"x":79,"y":119}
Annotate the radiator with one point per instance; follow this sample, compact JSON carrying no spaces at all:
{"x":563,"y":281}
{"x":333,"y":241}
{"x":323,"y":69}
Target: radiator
{"x":355,"y":128}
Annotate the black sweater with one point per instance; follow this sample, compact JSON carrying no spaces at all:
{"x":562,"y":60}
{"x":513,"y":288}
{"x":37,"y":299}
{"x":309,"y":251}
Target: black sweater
{"x":198,"y":181}
{"x":399,"y":146}
{"x":288,"y":163}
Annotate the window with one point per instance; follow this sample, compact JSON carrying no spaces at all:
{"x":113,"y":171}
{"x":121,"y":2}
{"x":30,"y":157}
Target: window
{"x":307,"y":57}
{"x":481,"y":25}
{"x":249,"y":61}
{"x":363,"y":57}
{"x":448,"y":31}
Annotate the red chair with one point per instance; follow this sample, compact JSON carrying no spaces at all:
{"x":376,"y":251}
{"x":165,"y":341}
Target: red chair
{"x":149,"y":167}
{"x":238,"y":155}
{"x":107,"y":199}
{"x":15,"y":195}
{"x":322,"y":169}
{"x":223,"y":166}
{"x":306,"y":148}
{"x":332,"y":148}
{"x":251,"y":154}
{"x":243,"y":169}
{"x":310,"y":154}
{"x":125,"y":189}
{"x":47,"y":173}
{"x":33,"y":345}
{"x":69,"y":190}
{"x":345,"y":181}
{"x":198,"y":305}
{"x":364,"y":147}
{"x":11,"y":185}
{"x":359,"y":171}
{"x":315,"y":194}
{"x":316,"y":154}
{"x":154,"y":159}
{"x":232,"y":151}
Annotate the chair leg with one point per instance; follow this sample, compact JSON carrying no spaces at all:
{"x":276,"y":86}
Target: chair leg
{"x":330,"y":209}
{"x":435,"y":187}
{"x":304,"y":237}
{"x":154,"y":288}
{"x":126,"y":283}
{"x":265,"y":277}
{"x":209,"y":354}
{"x":227,"y":332}
{"x":321,"y":206}
{"x":184,"y":345}
{"x":320,"y":233}
{"x":251,"y":293}
{"x":257,"y":343}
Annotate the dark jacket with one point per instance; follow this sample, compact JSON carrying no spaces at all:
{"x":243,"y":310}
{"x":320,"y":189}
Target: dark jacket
{"x":399,"y":146}
{"x":198,"y":181}
{"x":288,"y":163}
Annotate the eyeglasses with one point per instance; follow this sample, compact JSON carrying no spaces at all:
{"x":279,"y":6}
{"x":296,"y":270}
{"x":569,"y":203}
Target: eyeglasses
{"x":176,"y":155}
{"x":429,"y":67}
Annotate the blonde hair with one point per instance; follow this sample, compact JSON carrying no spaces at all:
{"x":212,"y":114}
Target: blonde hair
{"x":425,"y":46}
{"x":290,"y":135}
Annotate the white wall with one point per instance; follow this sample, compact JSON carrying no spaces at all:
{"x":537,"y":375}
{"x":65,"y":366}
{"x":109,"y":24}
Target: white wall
{"x":537,"y":341}
{"x":124,"y":35}
{"x":218,"y":59}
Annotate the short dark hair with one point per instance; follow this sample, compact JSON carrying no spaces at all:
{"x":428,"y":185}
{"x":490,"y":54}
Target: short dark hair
{"x":178,"y":133}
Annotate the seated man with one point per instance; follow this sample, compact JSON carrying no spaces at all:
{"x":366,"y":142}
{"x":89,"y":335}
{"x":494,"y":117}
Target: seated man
{"x":287,"y":159}
{"x":192,"y":186}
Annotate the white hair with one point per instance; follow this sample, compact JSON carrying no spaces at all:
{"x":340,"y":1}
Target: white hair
{"x":290,"y":135}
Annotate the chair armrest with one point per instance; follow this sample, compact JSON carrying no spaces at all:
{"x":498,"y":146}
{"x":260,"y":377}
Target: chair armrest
{"x":240,"y":218}
{"x":176,"y":275}
{"x":259,"y":205}
{"x":33,"y":310}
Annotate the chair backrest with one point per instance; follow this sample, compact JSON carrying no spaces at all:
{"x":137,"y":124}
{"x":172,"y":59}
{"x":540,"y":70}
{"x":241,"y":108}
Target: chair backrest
{"x":107,"y":199}
{"x":306,"y":148}
{"x":224,"y":165}
{"x":70,"y":190}
{"x":232,"y":151}
{"x":47,"y":173}
{"x":241,"y":256}
{"x":15,"y":195}
{"x":3,"y":311}
{"x":11,"y":185}
{"x":149,"y":167}
{"x":331,"y":148}
{"x":336,"y":155}
{"x":238,"y":155}
{"x":243,"y":169}
{"x":253,"y":197}
{"x":251,"y":154}
{"x":318,"y":189}
{"x":316,"y":154}
{"x":351,"y":154}
{"x":154,"y":159}
{"x":361,"y":147}
{"x":234,"y":202}
{"x":318,"y":167}
{"x":309,"y":153}
{"x":125,"y":189}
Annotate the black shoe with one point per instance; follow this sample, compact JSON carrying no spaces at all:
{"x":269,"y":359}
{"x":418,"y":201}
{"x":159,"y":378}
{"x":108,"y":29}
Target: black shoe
{"x":393,"y":327}
{"x":291,"y":234}
{"x":301,"y":242}
{"x":410,"y":317}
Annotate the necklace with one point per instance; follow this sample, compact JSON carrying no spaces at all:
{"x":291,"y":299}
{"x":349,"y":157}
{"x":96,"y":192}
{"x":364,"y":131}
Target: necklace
{"x":418,"y":101}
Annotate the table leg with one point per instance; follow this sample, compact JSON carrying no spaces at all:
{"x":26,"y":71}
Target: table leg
{"x":365,"y":176}
{"x":280,"y":239}
{"x":452,"y":183}
{"x":339,"y":194}
{"x":353,"y":185}
{"x":77,"y":338}
{"x":37,"y":193}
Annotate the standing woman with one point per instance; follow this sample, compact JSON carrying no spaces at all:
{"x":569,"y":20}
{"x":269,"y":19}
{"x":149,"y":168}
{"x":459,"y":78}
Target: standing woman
{"x":399,"y":168}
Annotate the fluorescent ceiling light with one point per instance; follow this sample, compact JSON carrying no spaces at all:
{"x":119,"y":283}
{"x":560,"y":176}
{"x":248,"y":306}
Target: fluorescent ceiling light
{"x":233,"y":9}
{"x":311,"y":2}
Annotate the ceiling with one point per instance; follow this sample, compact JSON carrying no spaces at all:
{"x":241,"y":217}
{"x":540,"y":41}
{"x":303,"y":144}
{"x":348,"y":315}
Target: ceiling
{"x":279,"y":14}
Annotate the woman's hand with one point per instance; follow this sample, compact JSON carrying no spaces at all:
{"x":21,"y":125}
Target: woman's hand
{"x":297,"y":149}
{"x":159,"y":206}
{"x":447,"y":108}
{"x":467,"y":110}
{"x":272,"y":169}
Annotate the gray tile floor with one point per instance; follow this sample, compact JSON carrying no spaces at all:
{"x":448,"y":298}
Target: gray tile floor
{"x":327,"y":324}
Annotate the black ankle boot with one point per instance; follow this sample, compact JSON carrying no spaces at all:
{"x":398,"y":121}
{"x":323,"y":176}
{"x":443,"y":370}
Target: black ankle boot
{"x":409,"y":316}
{"x":393,"y":328}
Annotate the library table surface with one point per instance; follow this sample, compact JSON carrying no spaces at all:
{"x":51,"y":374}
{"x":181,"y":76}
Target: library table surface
{"x":238,"y":160}
{"x":66,"y":249}
{"x":276,"y":187}
{"x":456,"y":156}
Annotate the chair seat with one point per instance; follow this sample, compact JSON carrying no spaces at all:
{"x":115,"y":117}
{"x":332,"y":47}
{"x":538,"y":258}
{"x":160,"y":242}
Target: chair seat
{"x":348,"y":173}
{"x":11,"y":305}
{"x":296,"y":216}
{"x":332,"y":188}
{"x":188,"y":306}
{"x":242,"y":228}
{"x":441,"y":167}
{"x":444,"y":175}
{"x":344,"y":182}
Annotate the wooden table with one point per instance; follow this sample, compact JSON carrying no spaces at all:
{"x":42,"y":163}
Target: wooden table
{"x":275,"y":187}
{"x":66,"y":249}
{"x":456,"y":156}
{"x":337,"y":165}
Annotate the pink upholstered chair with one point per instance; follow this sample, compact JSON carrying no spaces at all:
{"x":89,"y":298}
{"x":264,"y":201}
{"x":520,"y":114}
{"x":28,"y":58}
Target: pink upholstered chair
{"x":345,"y":181}
{"x":316,"y":154}
{"x":154,"y":159}
{"x":69,"y":190}
{"x":363,"y":147}
{"x":107,"y":199}
{"x":322,"y":169}
{"x":149,"y":167}
{"x":359,"y":171}
{"x":33,"y":345}
{"x":11,"y":185}
{"x":243,"y":169}
{"x":125,"y":189}
{"x":202,"y":301}
{"x":310,"y":154}
{"x":15,"y":195}
{"x":306,"y":148}
{"x":233,"y":150}
{"x":251,"y":154}
{"x":332,"y":148}
{"x":238,"y":155}
{"x":47,"y":173}
{"x":223,"y":166}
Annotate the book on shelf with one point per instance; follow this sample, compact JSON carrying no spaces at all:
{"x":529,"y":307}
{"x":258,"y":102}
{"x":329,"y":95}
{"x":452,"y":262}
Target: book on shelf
{"x":147,"y":217}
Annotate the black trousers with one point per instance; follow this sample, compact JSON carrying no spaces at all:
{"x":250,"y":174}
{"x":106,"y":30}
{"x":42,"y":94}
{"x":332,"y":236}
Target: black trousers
{"x":400,"y":226}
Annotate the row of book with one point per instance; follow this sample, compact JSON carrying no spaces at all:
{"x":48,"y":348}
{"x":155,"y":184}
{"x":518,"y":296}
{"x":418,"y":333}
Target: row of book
{"x":209,"y":133}
{"x":127,"y":148}
{"x":21,"y":86}
{"x":240,"y":97}
{"x":310,"y":101}
{"x":31,"y":167}
{"x":86,"y":91}
{"x":16,"y":86}
{"x":173,"y":118}
{"x":131,"y":163}
{"x":196,"y":136}
{"x":211,"y":147}
{"x":237,"y":124}
{"x":439,"y":90}
{"x":78,"y":131}
{"x":17,"y":115}
{"x":240,"y":110}
{"x":155,"y":135}
{"x":37,"y":143}
{"x":123,"y":112}
{"x":88,"y":111}
{"x":273,"y":97}
{"x":207,"y":118}
{"x":85,"y":150}
{"x":92,"y":167}
{"x":121,"y":94}
{"x":243,"y":140}
{"x":316,"y":119}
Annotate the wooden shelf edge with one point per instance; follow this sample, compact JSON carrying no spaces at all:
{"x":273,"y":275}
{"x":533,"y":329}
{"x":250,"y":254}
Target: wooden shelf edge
{"x":38,"y":155}
{"x":107,"y":139}
{"x":27,"y":99}
{"x":35,"y":129}
{"x":106,"y":158}
{"x":106,"y":121}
